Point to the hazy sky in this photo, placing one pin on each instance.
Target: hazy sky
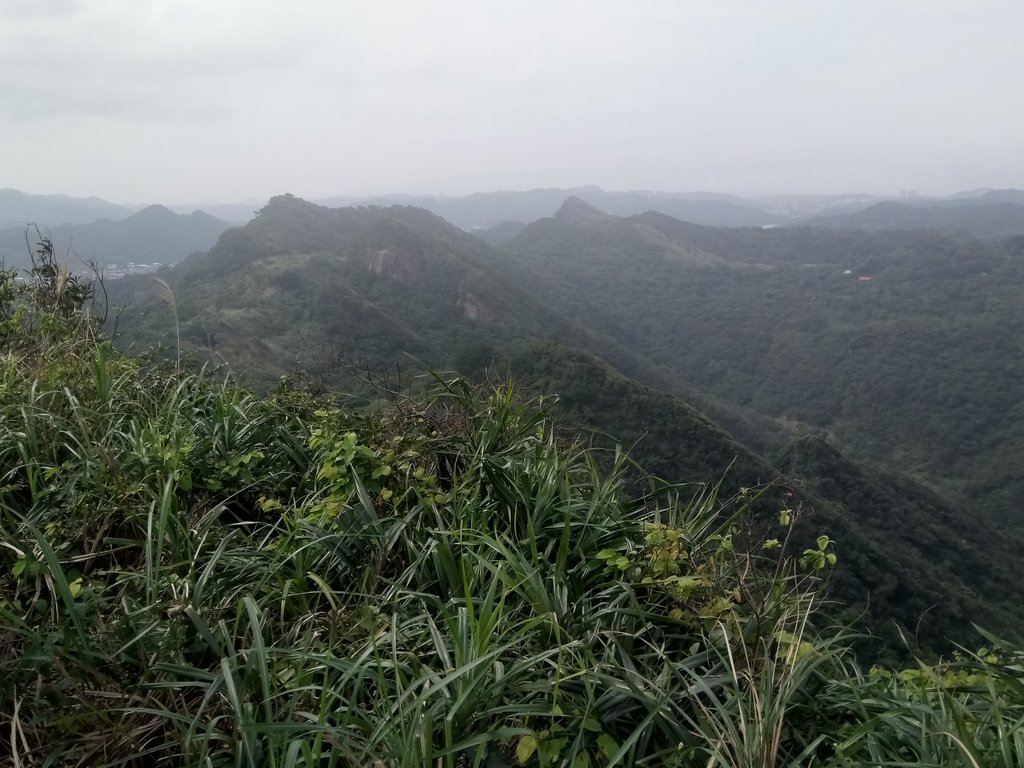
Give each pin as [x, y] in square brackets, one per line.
[189, 100]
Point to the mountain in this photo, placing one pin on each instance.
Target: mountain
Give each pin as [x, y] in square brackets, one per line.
[154, 234]
[18, 209]
[500, 234]
[233, 213]
[302, 283]
[910, 557]
[485, 210]
[904, 346]
[985, 197]
[991, 215]
[803, 206]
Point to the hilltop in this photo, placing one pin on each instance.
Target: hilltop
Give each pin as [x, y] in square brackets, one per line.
[487, 209]
[301, 284]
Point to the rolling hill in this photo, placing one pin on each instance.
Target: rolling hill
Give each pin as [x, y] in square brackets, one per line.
[487, 209]
[904, 347]
[302, 284]
[991, 215]
[153, 234]
[18, 209]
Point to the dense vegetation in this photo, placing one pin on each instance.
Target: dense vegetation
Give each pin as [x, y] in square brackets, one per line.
[915, 367]
[195, 575]
[300, 283]
[799, 364]
[912, 561]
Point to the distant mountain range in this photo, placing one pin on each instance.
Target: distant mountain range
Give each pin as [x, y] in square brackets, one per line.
[483, 212]
[154, 234]
[993, 215]
[18, 209]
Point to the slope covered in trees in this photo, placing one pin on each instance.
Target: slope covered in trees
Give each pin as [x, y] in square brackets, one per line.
[301, 284]
[911, 561]
[904, 347]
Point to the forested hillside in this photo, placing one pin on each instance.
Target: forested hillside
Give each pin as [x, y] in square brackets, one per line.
[302, 285]
[844, 390]
[912, 561]
[902, 346]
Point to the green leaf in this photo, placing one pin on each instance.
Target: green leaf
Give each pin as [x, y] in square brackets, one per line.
[525, 748]
[184, 478]
[607, 746]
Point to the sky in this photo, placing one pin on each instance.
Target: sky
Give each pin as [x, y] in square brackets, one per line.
[179, 101]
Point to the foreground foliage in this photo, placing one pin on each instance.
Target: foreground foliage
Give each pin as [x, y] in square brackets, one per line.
[191, 575]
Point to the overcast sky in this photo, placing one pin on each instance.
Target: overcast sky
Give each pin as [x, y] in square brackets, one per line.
[198, 100]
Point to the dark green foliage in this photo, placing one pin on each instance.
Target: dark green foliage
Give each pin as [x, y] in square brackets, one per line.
[916, 368]
[194, 574]
[915, 569]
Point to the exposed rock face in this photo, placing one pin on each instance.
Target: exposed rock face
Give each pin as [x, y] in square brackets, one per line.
[396, 262]
[476, 310]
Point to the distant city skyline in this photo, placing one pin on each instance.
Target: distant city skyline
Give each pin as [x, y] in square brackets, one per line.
[183, 101]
